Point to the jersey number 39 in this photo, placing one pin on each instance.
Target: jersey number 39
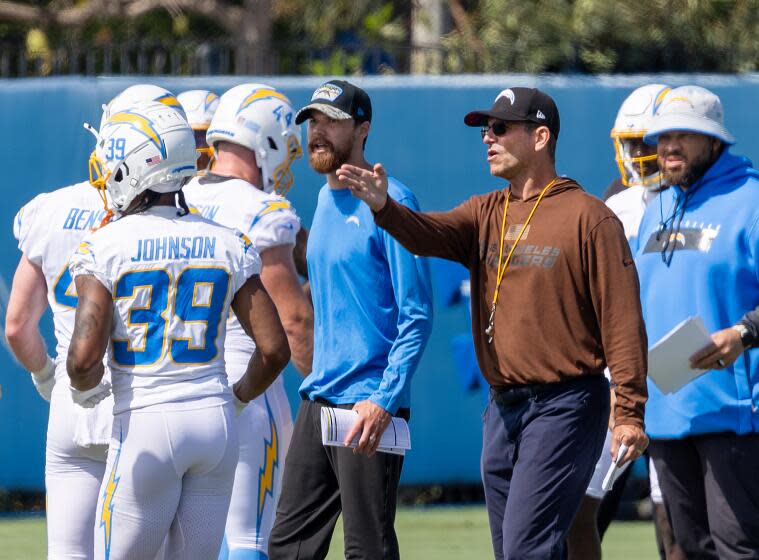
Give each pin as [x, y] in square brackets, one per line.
[197, 296]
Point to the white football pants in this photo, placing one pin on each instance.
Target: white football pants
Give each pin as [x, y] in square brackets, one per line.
[265, 428]
[72, 480]
[169, 474]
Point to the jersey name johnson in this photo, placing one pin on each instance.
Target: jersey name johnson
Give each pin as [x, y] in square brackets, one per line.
[172, 289]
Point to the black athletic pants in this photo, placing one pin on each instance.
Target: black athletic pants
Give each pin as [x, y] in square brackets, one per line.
[711, 490]
[319, 482]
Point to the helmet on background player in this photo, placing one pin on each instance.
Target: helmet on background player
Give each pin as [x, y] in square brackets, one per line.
[148, 146]
[637, 161]
[200, 105]
[137, 93]
[261, 119]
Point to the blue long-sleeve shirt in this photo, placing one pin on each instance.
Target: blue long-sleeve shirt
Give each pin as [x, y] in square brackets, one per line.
[372, 304]
[712, 249]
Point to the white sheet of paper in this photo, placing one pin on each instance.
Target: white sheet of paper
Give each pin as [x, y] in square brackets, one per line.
[668, 364]
[337, 422]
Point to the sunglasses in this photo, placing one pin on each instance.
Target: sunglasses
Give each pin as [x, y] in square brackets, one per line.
[498, 128]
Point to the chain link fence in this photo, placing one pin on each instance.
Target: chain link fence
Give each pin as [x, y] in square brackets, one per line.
[188, 58]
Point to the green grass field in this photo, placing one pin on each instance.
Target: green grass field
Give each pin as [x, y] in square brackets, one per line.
[440, 533]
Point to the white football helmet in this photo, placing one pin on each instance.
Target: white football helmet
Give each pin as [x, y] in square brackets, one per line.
[148, 146]
[199, 105]
[137, 93]
[260, 118]
[630, 126]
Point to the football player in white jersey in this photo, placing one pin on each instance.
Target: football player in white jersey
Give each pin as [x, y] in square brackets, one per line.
[200, 105]
[255, 141]
[639, 173]
[155, 288]
[48, 229]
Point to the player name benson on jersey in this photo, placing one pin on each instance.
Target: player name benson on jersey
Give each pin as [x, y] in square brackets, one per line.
[83, 218]
[173, 247]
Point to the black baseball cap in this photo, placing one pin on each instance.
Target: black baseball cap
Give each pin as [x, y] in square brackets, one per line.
[520, 104]
[339, 100]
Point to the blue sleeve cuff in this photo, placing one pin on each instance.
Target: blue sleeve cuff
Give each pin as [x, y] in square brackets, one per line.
[388, 402]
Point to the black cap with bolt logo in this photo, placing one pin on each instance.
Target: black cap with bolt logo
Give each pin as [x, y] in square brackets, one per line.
[520, 104]
[338, 100]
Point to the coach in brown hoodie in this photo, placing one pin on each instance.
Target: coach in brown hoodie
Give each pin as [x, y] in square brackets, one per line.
[555, 299]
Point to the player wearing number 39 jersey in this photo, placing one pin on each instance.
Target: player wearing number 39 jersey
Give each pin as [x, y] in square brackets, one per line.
[155, 288]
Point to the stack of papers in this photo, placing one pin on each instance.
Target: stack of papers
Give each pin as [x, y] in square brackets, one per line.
[668, 359]
[337, 422]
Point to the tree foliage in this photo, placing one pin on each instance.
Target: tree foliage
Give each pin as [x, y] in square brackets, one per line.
[355, 36]
[602, 36]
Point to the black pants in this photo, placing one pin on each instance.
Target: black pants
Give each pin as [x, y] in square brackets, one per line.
[538, 455]
[710, 485]
[319, 482]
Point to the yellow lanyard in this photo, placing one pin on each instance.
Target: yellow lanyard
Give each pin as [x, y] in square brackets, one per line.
[502, 269]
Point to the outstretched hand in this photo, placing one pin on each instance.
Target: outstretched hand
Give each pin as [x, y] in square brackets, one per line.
[367, 185]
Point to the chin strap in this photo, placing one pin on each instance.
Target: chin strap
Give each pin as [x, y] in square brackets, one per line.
[182, 208]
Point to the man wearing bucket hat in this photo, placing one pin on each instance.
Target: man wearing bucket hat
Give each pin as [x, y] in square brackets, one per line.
[554, 299]
[697, 253]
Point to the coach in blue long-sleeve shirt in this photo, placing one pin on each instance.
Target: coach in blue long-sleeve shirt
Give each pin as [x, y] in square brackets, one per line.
[371, 305]
[373, 314]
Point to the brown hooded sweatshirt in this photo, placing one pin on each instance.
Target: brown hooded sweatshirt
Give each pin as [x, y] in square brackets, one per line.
[569, 302]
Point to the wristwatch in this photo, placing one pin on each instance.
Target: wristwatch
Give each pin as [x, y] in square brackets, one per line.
[745, 335]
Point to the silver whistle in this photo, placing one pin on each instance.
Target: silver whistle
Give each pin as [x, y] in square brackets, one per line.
[490, 330]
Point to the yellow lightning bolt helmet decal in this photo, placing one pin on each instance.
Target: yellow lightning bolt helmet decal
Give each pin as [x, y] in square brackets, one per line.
[210, 97]
[106, 516]
[660, 98]
[140, 124]
[266, 473]
[262, 93]
[170, 100]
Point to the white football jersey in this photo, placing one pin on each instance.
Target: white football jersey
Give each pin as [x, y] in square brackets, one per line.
[267, 219]
[172, 280]
[49, 228]
[629, 206]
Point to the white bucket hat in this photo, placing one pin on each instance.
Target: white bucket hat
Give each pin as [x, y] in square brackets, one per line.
[689, 109]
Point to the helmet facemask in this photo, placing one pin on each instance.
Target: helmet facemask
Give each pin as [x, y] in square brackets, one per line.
[635, 170]
[99, 175]
[205, 152]
[282, 176]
